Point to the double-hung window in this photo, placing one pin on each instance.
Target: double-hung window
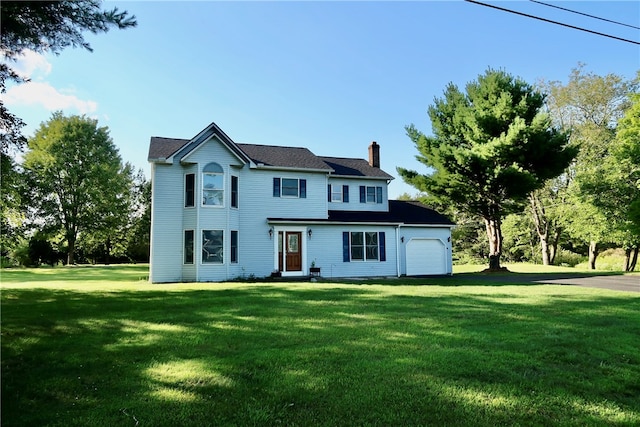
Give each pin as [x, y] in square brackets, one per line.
[370, 194]
[212, 246]
[213, 185]
[363, 246]
[338, 193]
[290, 187]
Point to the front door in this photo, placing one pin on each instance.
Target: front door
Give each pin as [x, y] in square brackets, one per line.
[293, 246]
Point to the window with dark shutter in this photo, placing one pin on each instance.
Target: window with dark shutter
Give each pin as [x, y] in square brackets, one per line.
[234, 191]
[276, 187]
[345, 247]
[345, 193]
[189, 190]
[363, 194]
[378, 194]
[303, 188]
[234, 246]
[188, 246]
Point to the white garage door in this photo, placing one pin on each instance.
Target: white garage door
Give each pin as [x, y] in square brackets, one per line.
[426, 256]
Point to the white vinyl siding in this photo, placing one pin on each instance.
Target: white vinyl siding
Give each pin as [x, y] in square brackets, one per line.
[353, 186]
[166, 223]
[325, 248]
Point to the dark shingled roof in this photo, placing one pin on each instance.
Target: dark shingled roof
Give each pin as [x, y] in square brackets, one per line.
[400, 212]
[162, 148]
[290, 157]
[276, 156]
[354, 167]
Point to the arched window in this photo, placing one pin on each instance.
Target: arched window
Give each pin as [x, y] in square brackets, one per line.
[213, 185]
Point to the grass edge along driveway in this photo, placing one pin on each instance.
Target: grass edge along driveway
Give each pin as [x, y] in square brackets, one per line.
[100, 346]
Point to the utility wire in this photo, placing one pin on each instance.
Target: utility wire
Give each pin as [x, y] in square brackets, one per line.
[553, 22]
[584, 14]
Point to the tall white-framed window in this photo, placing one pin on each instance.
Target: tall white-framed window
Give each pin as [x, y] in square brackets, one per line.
[212, 246]
[213, 185]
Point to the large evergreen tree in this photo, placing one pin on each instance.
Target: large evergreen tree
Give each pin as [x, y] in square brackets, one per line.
[491, 147]
[78, 180]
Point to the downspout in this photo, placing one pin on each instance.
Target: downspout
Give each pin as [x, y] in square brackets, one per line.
[197, 256]
[398, 250]
[227, 232]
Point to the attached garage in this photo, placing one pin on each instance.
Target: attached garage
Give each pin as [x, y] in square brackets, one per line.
[426, 257]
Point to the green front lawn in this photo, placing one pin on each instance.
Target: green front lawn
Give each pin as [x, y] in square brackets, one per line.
[99, 346]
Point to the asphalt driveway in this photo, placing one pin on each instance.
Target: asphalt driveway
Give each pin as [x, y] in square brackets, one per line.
[615, 282]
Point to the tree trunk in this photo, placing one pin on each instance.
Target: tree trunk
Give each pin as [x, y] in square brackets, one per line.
[593, 254]
[494, 234]
[627, 258]
[542, 227]
[554, 243]
[107, 255]
[634, 259]
[71, 248]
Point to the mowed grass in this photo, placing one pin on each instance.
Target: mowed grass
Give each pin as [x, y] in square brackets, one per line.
[99, 346]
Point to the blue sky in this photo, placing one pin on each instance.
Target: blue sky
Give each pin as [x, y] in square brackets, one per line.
[331, 76]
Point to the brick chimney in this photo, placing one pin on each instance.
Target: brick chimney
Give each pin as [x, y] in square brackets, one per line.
[374, 155]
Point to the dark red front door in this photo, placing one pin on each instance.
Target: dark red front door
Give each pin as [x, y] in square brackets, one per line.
[293, 246]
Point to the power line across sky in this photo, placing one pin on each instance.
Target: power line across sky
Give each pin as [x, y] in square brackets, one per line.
[564, 24]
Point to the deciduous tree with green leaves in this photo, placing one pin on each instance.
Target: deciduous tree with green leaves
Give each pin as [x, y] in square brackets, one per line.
[491, 147]
[613, 188]
[588, 106]
[79, 183]
[46, 26]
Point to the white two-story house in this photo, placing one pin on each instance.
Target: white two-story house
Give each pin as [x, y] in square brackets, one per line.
[223, 210]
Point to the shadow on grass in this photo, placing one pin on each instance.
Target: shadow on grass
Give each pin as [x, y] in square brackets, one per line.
[290, 355]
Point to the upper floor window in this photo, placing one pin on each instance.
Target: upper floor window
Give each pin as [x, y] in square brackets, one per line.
[338, 193]
[290, 187]
[370, 194]
[189, 190]
[213, 185]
